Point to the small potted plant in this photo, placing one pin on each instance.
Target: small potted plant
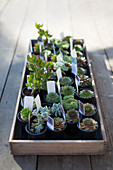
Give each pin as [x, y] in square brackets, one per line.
[81, 62]
[78, 47]
[56, 110]
[85, 81]
[67, 90]
[66, 81]
[69, 102]
[90, 109]
[52, 98]
[86, 95]
[81, 71]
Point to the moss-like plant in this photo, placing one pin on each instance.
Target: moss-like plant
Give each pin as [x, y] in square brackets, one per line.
[85, 93]
[52, 97]
[84, 80]
[78, 47]
[24, 114]
[72, 115]
[56, 110]
[69, 102]
[66, 81]
[67, 90]
[88, 124]
[89, 109]
[59, 123]
[81, 71]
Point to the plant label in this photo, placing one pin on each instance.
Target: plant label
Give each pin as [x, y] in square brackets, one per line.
[48, 41]
[28, 102]
[71, 44]
[74, 68]
[41, 43]
[29, 88]
[59, 74]
[73, 54]
[58, 85]
[59, 58]
[63, 113]
[38, 102]
[45, 56]
[54, 49]
[62, 36]
[51, 87]
[50, 122]
[40, 48]
[81, 107]
[60, 99]
[76, 82]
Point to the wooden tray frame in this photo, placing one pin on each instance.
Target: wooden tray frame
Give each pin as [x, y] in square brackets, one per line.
[58, 147]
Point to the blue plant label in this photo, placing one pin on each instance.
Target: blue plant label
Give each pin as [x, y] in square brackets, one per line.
[38, 102]
[59, 74]
[74, 68]
[73, 60]
[28, 102]
[50, 122]
[51, 87]
[63, 113]
[58, 86]
[81, 108]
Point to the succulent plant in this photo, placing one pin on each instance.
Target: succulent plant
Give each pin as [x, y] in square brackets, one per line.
[24, 114]
[66, 81]
[89, 109]
[81, 61]
[78, 47]
[81, 71]
[72, 115]
[52, 97]
[37, 48]
[56, 110]
[79, 54]
[54, 58]
[88, 124]
[63, 45]
[84, 80]
[69, 102]
[59, 123]
[67, 58]
[67, 38]
[67, 90]
[85, 93]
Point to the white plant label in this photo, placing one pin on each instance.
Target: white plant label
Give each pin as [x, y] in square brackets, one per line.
[76, 82]
[74, 68]
[59, 74]
[28, 102]
[71, 44]
[38, 102]
[81, 107]
[54, 49]
[73, 53]
[58, 85]
[63, 113]
[51, 87]
[45, 56]
[40, 48]
[29, 88]
[62, 35]
[59, 58]
[50, 122]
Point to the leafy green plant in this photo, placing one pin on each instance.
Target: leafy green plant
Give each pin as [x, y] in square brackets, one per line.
[52, 97]
[67, 38]
[41, 72]
[37, 48]
[85, 93]
[69, 102]
[72, 115]
[78, 47]
[67, 58]
[67, 90]
[79, 54]
[59, 123]
[54, 58]
[81, 61]
[84, 80]
[24, 114]
[89, 109]
[88, 124]
[63, 45]
[81, 71]
[56, 110]
[66, 81]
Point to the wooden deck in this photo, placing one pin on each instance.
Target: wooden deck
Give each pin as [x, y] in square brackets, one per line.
[91, 20]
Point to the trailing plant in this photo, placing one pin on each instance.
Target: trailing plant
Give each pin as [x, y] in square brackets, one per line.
[85, 93]
[56, 110]
[84, 80]
[67, 90]
[88, 124]
[24, 114]
[52, 97]
[66, 81]
[69, 102]
[89, 109]
[72, 115]
[81, 71]
[59, 123]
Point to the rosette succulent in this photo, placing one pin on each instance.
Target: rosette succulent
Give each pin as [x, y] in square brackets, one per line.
[24, 114]
[66, 81]
[69, 102]
[59, 123]
[89, 109]
[88, 124]
[56, 110]
[52, 97]
[72, 115]
[84, 80]
[67, 90]
[86, 93]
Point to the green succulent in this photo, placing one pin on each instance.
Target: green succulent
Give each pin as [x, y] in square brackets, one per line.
[59, 123]
[67, 58]
[79, 54]
[89, 109]
[84, 80]
[81, 71]
[72, 115]
[66, 81]
[24, 114]
[78, 47]
[88, 124]
[52, 97]
[69, 102]
[67, 90]
[81, 61]
[37, 48]
[56, 110]
[63, 45]
[85, 93]
[54, 58]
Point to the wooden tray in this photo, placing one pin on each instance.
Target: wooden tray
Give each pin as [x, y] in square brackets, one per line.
[20, 145]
